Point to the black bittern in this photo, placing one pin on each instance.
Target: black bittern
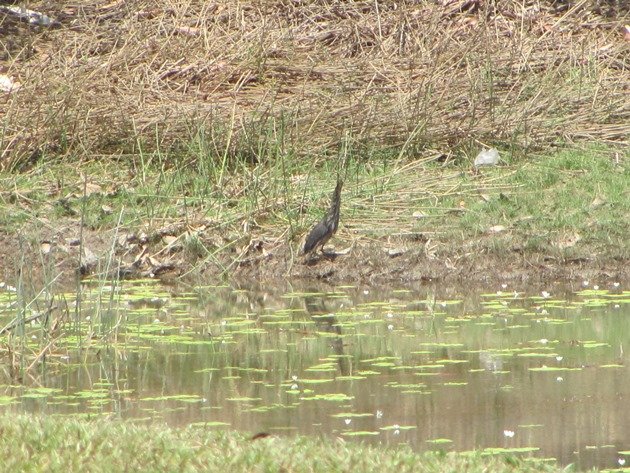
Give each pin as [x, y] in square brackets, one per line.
[327, 227]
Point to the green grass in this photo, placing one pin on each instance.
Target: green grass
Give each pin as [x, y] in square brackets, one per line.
[61, 444]
[572, 203]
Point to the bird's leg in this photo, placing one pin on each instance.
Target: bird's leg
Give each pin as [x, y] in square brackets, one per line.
[327, 254]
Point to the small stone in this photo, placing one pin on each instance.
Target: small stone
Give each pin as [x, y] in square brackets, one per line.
[496, 229]
[393, 252]
[89, 261]
[597, 203]
[45, 247]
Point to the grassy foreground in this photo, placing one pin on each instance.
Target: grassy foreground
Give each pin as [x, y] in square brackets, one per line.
[55, 444]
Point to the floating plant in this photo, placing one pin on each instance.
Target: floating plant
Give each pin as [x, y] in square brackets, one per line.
[379, 362]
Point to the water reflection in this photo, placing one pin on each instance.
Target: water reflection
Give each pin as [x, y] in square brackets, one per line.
[500, 370]
[322, 309]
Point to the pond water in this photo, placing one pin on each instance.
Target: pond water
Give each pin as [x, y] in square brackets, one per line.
[544, 374]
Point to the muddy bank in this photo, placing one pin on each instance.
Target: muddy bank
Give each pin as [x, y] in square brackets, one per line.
[378, 264]
[44, 255]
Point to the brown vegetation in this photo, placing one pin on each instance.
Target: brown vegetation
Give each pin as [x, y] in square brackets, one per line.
[116, 76]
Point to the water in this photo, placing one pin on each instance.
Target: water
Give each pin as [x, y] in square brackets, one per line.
[542, 374]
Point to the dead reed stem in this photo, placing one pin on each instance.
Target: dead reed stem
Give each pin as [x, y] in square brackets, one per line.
[413, 74]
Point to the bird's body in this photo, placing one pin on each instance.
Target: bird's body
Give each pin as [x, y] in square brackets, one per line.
[327, 226]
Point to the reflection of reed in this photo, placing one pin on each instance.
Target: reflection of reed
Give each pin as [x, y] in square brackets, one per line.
[326, 321]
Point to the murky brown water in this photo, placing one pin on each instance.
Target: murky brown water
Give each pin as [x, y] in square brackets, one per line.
[546, 373]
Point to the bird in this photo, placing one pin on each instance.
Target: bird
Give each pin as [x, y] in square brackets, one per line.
[327, 226]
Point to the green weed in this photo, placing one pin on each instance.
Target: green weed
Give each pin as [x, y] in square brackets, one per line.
[63, 444]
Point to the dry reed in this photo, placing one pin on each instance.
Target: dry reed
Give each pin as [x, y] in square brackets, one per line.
[117, 75]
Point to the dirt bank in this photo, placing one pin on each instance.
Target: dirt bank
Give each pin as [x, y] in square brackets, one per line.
[44, 255]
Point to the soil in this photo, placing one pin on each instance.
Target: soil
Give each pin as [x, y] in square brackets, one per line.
[52, 252]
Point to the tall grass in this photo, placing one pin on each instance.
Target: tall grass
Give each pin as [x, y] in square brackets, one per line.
[414, 76]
